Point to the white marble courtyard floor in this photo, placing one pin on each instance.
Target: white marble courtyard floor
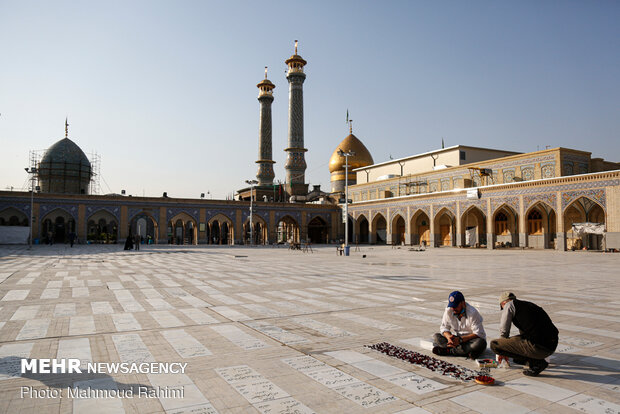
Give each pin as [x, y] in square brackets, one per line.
[275, 331]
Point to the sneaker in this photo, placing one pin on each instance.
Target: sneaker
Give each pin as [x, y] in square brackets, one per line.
[535, 368]
[437, 350]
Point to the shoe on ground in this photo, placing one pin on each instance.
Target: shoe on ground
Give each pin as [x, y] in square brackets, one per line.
[535, 368]
[437, 350]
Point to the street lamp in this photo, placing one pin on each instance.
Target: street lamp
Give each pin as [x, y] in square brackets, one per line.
[33, 172]
[252, 184]
[346, 156]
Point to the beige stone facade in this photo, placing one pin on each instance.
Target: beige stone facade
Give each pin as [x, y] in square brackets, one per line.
[524, 200]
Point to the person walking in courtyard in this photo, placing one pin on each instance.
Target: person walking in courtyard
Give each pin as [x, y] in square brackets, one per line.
[538, 336]
[128, 243]
[72, 238]
[461, 332]
[137, 241]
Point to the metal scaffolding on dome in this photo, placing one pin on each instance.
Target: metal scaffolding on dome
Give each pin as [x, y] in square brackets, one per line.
[34, 160]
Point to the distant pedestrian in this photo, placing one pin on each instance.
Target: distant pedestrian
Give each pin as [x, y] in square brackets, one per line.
[137, 241]
[128, 243]
[72, 238]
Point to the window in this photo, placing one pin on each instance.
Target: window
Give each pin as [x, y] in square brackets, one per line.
[534, 222]
[462, 155]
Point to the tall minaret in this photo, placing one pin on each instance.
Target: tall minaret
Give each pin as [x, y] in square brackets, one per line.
[295, 163]
[265, 163]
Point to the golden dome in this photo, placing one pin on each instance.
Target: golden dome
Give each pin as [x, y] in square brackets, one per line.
[362, 157]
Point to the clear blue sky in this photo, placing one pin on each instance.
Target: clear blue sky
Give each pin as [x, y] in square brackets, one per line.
[166, 91]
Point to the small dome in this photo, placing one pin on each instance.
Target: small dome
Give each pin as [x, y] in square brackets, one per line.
[362, 157]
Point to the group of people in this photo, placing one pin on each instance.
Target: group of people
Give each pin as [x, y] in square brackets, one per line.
[461, 332]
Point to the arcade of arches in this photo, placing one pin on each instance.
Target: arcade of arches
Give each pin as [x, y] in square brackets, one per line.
[540, 226]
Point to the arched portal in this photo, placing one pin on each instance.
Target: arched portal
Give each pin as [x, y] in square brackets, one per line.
[398, 230]
[318, 231]
[444, 228]
[583, 210]
[473, 223]
[56, 226]
[540, 226]
[220, 229]
[259, 231]
[420, 229]
[505, 224]
[380, 229]
[13, 217]
[102, 227]
[363, 234]
[146, 226]
[288, 230]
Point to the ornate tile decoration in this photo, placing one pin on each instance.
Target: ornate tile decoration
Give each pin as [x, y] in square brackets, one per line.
[245, 215]
[425, 208]
[325, 216]
[376, 212]
[547, 170]
[45, 209]
[133, 212]
[583, 168]
[527, 173]
[567, 168]
[481, 204]
[296, 215]
[400, 212]
[509, 175]
[227, 213]
[445, 184]
[433, 186]
[512, 202]
[114, 210]
[451, 207]
[357, 214]
[597, 195]
[546, 198]
[23, 207]
[171, 212]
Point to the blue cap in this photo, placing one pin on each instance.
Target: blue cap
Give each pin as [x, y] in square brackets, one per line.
[455, 298]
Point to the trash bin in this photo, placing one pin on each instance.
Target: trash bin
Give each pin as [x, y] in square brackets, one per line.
[346, 250]
[36, 241]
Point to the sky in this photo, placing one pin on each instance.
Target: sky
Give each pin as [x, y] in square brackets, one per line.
[165, 92]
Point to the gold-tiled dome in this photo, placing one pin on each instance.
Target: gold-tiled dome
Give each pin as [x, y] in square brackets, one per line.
[362, 157]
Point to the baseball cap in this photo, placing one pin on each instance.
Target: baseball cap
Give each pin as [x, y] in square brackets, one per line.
[455, 298]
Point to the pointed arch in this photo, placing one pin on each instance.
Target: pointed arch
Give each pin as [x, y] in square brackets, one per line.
[581, 210]
[540, 225]
[362, 229]
[505, 226]
[379, 229]
[444, 223]
[420, 228]
[399, 228]
[474, 225]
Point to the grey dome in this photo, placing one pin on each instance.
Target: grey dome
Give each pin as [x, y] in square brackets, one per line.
[65, 169]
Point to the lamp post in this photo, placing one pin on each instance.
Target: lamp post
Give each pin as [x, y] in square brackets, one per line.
[346, 156]
[32, 171]
[252, 184]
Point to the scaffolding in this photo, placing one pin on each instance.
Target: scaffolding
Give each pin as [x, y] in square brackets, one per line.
[411, 186]
[484, 174]
[35, 157]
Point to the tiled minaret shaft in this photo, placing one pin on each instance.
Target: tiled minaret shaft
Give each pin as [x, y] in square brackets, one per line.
[265, 163]
[295, 162]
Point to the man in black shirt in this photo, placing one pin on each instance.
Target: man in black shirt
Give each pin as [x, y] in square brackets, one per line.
[538, 336]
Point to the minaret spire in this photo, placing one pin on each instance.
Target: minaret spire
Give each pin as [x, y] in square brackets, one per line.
[265, 162]
[295, 162]
[67, 127]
